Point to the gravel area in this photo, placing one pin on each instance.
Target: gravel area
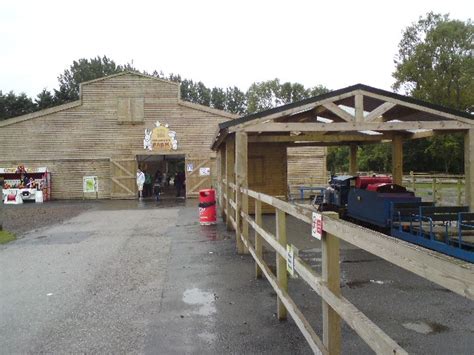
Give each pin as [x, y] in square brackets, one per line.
[20, 219]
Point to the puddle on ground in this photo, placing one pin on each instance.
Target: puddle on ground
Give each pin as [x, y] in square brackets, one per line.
[207, 337]
[357, 283]
[362, 283]
[203, 299]
[423, 327]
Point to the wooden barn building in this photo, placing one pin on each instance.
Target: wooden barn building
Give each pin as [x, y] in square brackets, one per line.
[125, 121]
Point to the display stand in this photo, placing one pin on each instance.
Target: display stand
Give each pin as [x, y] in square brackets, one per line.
[12, 184]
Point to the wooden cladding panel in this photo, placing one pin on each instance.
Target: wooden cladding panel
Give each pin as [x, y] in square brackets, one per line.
[92, 129]
[306, 166]
[66, 175]
[267, 171]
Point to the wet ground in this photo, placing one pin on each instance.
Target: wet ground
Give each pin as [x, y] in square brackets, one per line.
[145, 277]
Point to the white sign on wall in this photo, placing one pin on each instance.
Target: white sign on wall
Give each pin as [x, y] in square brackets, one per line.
[317, 226]
[189, 167]
[204, 171]
[90, 184]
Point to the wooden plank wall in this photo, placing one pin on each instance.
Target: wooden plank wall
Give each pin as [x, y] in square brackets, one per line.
[306, 166]
[92, 130]
[66, 175]
[267, 171]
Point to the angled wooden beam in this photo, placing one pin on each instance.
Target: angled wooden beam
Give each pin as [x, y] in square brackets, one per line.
[357, 126]
[418, 107]
[317, 138]
[293, 110]
[346, 116]
[379, 111]
[359, 107]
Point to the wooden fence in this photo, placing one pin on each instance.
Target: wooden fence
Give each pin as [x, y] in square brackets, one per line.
[453, 274]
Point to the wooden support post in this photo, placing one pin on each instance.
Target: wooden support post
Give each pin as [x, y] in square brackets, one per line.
[282, 276]
[241, 180]
[219, 181]
[331, 277]
[413, 181]
[469, 168]
[258, 238]
[397, 159]
[359, 107]
[353, 160]
[230, 176]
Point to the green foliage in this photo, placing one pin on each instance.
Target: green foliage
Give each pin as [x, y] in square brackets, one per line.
[45, 100]
[218, 98]
[85, 70]
[337, 159]
[12, 105]
[268, 94]
[435, 62]
[236, 100]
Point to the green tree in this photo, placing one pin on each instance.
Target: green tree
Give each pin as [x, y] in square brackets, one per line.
[12, 105]
[218, 98]
[84, 70]
[268, 94]
[435, 64]
[236, 100]
[44, 100]
[435, 61]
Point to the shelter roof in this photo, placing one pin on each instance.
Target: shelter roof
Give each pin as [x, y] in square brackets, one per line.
[358, 113]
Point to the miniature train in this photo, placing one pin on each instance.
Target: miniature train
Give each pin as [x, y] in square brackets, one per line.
[378, 203]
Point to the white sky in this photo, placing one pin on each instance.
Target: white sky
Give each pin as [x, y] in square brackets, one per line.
[222, 43]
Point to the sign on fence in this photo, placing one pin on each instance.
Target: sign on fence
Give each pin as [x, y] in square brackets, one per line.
[317, 226]
[290, 260]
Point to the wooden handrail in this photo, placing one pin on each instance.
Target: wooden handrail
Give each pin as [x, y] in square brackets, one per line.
[448, 272]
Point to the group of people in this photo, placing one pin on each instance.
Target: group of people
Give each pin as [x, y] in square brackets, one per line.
[148, 186]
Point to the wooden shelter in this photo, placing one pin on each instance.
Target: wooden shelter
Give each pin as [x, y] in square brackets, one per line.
[102, 134]
[352, 116]
[252, 160]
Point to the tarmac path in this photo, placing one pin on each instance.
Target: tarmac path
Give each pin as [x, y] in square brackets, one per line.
[143, 278]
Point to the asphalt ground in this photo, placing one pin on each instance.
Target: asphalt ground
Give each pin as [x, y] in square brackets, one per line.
[131, 277]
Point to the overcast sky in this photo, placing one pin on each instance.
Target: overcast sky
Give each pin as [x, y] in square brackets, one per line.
[222, 43]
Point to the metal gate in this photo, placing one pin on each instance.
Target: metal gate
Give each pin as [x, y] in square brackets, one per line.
[123, 178]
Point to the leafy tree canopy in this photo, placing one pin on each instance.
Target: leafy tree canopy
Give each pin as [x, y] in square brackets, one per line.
[435, 61]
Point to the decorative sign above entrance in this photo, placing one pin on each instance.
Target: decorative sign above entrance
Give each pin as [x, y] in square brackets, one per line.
[160, 138]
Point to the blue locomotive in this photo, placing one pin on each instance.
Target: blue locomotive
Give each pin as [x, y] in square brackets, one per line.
[377, 202]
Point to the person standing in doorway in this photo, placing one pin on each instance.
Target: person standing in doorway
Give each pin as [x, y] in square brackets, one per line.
[179, 180]
[148, 184]
[140, 182]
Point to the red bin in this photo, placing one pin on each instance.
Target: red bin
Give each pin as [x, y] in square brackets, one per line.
[207, 206]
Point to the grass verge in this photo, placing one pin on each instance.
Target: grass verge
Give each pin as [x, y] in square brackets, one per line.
[6, 237]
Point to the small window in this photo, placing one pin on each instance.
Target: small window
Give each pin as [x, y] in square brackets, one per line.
[130, 110]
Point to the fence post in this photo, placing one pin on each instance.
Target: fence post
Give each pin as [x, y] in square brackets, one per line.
[331, 277]
[258, 239]
[282, 276]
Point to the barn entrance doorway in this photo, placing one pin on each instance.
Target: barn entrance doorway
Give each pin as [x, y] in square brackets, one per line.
[165, 173]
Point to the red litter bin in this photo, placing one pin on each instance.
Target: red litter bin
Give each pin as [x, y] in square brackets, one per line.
[207, 206]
